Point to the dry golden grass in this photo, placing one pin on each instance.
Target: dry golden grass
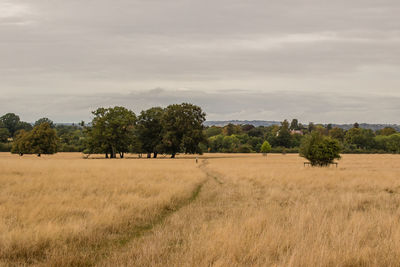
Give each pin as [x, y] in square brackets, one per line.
[64, 210]
[251, 211]
[258, 211]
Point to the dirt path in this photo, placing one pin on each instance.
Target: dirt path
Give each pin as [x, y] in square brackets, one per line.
[174, 241]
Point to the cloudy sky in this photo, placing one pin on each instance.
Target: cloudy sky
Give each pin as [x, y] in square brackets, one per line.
[315, 60]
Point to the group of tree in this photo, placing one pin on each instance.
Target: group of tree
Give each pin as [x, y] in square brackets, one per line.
[179, 129]
[288, 137]
[175, 129]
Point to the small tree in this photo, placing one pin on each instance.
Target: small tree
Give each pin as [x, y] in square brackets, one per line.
[319, 149]
[265, 148]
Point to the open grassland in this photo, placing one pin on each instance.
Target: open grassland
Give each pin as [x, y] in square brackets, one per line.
[64, 210]
[228, 210]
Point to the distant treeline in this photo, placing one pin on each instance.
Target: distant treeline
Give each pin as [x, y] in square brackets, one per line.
[256, 123]
[178, 128]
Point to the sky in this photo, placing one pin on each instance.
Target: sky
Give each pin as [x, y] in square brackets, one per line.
[314, 60]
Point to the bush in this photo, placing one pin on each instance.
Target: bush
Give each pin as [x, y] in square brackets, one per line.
[5, 147]
[245, 149]
[320, 150]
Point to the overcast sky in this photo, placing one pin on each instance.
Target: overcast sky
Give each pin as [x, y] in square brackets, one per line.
[315, 60]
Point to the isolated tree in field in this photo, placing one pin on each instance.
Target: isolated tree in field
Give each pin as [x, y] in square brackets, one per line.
[43, 120]
[265, 148]
[320, 150]
[149, 130]
[183, 129]
[112, 131]
[41, 140]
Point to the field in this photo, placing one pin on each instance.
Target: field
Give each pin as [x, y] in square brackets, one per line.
[227, 210]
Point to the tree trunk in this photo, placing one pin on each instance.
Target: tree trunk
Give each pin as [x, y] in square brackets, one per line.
[121, 155]
[148, 155]
[106, 155]
[172, 155]
[155, 155]
[113, 153]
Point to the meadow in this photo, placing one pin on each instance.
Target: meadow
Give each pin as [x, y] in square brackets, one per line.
[228, 209]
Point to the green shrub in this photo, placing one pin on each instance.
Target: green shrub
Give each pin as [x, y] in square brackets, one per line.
[265, 148]
[245, 149]
[320, 150]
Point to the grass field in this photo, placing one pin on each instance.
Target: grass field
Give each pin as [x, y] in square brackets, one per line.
[227, 210]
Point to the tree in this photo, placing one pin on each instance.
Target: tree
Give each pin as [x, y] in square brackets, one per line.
[311, 127]
[232, 129]
[393, 143]
[247, 127]
[284, 136]
[149, 130]
[386, 131]
[213, 131]
[230, 144]
[337, 133]
[360, 138]
[183, 129]
[111, 131]
[10, 121]
[41, 140]
[265, 148]
[294, 125]
[24, 126]
[43, 120]
[4, 134]
[319, 149]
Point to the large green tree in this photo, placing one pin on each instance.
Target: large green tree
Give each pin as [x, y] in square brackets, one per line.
[41, 140]
[112, 131]
[149, 130]
[183, 129]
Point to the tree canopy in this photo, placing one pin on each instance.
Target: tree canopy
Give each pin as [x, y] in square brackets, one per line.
[320, 150]
[183, 129]
[149, 130]
[41, 140]
[112, 131]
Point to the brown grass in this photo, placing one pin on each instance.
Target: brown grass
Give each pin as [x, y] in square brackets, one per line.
[251, 211]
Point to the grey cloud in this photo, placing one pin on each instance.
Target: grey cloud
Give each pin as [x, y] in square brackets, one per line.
[106, 50]
[223, 105]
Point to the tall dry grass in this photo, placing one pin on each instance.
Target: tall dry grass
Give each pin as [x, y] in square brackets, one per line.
[64, 210]
[257, 211]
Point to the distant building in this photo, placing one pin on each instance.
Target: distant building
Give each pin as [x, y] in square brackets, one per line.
[296, 132]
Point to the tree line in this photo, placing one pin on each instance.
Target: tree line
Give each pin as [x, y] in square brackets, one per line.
[176, 129]
[115, 131]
